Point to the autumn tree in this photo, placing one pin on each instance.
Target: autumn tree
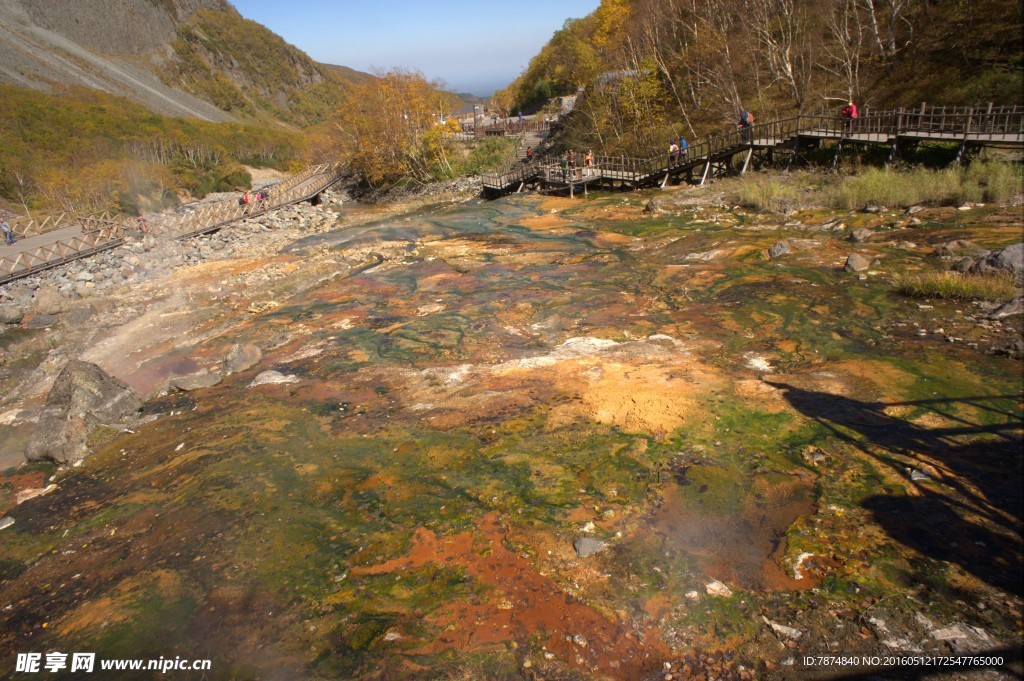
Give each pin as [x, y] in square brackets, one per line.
[391, 129]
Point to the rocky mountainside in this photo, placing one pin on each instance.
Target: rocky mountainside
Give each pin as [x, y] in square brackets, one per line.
[189, 58]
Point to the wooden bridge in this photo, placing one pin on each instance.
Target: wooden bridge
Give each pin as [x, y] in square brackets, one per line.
[56, 239]
[783, 140]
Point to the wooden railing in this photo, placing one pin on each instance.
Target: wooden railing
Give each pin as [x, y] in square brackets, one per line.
[101, 232]
[988, 125]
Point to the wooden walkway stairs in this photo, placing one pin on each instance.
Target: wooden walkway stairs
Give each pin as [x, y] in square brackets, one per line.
[56, 239]
[968, 127]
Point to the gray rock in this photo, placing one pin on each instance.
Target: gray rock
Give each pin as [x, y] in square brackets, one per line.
[272, 377]
[241, 358]
[49, 301]
[192, 382]
[586, 546]
[656, 206]
[6, 522]
[85, 276]
[779, 249]
[10, 314]
[1009, 259]
[860, 235]
[874, 208]
[959, 247]
[857, 262]
[82, 397]
[1015, 306]
[41, 321]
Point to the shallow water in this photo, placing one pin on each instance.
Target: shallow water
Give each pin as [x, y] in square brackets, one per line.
[481, 385]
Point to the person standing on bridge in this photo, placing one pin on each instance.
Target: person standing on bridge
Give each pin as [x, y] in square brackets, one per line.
[6, 228]
[683, 146]
[850, 115]
[746, 121]
[673, 153]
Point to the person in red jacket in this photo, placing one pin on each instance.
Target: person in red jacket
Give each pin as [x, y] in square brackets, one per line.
[850, 114]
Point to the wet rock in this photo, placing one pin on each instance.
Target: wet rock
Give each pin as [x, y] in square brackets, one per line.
[1009, 259]
[914, 209]
[271, 378]
[241, 358]
[717, 589]
[917, 475]
[859, 236]
[192, 382]
[6, 522]
[82, 397]
[586, 546]
[1013, 307]
[77, 316]
[857, 262]
[873, 207]
[779, 249]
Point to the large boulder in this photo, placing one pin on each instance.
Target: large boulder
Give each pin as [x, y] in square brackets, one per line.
[1009, 259]
[82, 397]
[779, 249]
[241, 358]
[857, 262]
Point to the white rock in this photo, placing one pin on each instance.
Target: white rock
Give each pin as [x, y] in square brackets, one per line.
[272, 377]
[782, 629]
[717, 588]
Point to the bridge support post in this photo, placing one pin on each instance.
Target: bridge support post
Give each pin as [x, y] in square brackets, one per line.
[893, 151]
[746, 161]
[839, 150]
[707, 169]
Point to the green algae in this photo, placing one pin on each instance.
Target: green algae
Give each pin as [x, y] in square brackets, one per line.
[279, 496]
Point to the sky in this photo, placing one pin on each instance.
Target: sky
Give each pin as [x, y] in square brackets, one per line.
[475, 47]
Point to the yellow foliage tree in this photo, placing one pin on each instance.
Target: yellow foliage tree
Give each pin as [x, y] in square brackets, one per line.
[391, 128]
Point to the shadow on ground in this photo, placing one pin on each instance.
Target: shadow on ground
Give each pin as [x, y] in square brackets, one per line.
[971, 513]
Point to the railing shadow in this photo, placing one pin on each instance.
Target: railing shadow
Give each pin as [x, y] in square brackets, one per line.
[971, 513]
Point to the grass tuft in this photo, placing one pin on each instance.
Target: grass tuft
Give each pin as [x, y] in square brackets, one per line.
[956, 286]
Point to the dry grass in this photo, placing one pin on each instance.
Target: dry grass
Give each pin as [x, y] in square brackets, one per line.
[956, 286]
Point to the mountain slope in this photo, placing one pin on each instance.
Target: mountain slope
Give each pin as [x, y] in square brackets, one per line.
[189, 58]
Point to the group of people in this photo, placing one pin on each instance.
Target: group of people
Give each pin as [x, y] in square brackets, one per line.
[569, 160]
[254, 197]
[677, 151]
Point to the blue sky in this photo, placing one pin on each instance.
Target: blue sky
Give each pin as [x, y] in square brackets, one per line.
[474, 47]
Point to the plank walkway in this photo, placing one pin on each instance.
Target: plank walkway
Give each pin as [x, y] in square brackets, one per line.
[970, 127]
[46, 242]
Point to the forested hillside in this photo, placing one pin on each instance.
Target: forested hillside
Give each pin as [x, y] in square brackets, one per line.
[652, 68]
[81, 150]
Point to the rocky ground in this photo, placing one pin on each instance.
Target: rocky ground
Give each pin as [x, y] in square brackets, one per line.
[645, 436]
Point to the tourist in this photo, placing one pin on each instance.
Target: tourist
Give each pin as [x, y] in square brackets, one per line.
[849, 115]
[683, 147]
[8, 234]
[529, 154]
[746, 121]
[589, 158]
[564, 163]
[673, 153]
[571, 156]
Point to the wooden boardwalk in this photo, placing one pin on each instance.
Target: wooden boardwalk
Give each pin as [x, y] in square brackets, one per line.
[969, 127]
[46, 242]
